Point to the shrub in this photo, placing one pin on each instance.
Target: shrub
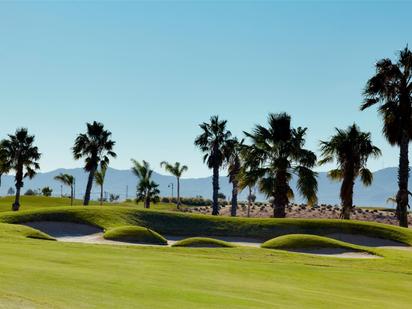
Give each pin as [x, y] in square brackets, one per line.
[188, 201]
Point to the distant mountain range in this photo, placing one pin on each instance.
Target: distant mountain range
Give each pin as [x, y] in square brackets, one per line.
[123, 183]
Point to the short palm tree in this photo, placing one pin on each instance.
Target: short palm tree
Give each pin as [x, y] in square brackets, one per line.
[20, 155]
[176, 170]
[99, 179]
[214, 142]
[351, 148]
[147, 189]
[274, 155]
[391, 88]
[96, 147]
[67, 180]
[234, 165]
[247, 180]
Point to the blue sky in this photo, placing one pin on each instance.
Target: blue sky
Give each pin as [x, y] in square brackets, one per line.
[151, 72]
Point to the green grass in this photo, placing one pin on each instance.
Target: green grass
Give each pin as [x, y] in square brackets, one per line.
[204, 242]
[37, 202]
[48, 274]
[135, 234]
[173, 223]
[302, 241]
[43, 274]
[9, 231]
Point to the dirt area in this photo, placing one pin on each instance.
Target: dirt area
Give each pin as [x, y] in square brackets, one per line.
[303, 211]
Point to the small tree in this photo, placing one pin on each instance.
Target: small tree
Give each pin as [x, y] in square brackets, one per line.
[11, 191]
[176, 170]
[47, 191]
[67, 180]
[147, 189]
[99, 179]
[30, 192]
[114, 198]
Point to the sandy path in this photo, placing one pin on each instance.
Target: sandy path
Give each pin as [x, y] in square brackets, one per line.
[82, 233]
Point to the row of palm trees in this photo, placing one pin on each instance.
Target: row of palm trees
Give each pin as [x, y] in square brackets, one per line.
[271, 157]
[275, 153]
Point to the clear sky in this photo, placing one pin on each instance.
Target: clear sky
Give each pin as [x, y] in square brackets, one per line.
[151, 72]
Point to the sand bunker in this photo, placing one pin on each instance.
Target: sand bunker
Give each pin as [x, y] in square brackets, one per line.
[368, 241]
[336, 252]
[83, 233]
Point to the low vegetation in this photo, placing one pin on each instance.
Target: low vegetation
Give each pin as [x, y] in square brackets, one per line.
[135, 234]
[203, 242]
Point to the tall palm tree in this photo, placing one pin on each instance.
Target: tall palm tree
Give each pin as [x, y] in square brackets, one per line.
[274, 155]
[147, 189]
[351, 148]
[99, 179]
[391, 88]
[176, 170]
[214, 143]
[22, 156]
[96, 147]
[68, 180]
[234, 166]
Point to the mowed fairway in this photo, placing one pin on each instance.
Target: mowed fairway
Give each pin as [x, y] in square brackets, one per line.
[49, 274]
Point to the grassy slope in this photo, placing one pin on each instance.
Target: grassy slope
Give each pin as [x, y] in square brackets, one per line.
[201, 225]
[202, 242]
[44, 274]
[37, 202]
[302, 241]
[98, 276]
[136, 234]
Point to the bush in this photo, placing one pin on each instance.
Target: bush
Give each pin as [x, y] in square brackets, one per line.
[188, 201]
[30, 192]
[47, 191]
[135, 234]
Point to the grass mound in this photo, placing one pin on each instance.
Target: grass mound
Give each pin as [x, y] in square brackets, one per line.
[135, 234]
[302, 241]
[173, 223]
[21, 231]
[203, 242]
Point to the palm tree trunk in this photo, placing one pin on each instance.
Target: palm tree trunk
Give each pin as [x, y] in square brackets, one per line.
[178, 193]
[280, 199]
[402, 198]
[346, 193]
[89, 186]
[19, 185]
[249, 205]
[71, 195]
[147, 202]
[235, 190]
[101, 195]
[215, 206]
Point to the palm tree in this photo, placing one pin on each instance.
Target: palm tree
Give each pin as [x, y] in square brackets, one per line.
[99, 179]
[247, 180]
[176, 170]
[234, 167]
[147, 189]
[96, 147]
[22, 156]
[4, 168]
[68, 180]
[351, 148]
[391, 88]
[275, 154]
[214, 143]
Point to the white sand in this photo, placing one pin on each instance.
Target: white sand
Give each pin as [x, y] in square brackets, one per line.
[82, 233]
